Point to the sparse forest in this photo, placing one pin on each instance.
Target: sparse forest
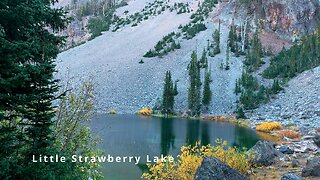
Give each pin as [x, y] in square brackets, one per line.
[112, 89]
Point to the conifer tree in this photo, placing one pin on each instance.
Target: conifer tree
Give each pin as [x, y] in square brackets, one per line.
[216, 39]
[169, 92]
[194, 99]
[203, 59]
[207, 94]
[276, 86]
[227, 67]
[175, 88]
[27, 87]
[240, 113]
[238, 87]
[236, 50]
[232, 38]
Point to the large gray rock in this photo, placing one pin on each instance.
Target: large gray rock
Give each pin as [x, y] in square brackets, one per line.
[285, 150]
[316, 140]
[264, 153]
[312, 168]
[213, 169]
[290, 176]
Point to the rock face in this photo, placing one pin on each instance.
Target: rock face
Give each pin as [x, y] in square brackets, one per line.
[289, 17]
[213, 169]
[290, 177]
[264, 153]
[312, 168]
[286, 18]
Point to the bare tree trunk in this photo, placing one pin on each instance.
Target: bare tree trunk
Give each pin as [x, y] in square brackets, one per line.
[243, 34]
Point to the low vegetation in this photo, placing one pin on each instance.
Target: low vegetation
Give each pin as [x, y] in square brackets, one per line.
[170, 42]
[151, 9]
[186, 164]
[112, 111]
[181, 8]
[252, 93]
[145, 111]
[268, 126]
[303, 55]
[167, 44]
[101, 19]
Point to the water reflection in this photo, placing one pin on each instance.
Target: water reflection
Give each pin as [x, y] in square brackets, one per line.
[167, 135]
[192, 132]
[131, 135]
[246, 139]
[205, 136]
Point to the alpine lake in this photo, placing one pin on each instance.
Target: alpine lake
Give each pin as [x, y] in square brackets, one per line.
[131, 141]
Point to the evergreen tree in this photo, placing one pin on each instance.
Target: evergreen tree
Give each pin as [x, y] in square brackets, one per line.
[216, 40]
[245, 39]
[203, 59]
[254, 53]
[27, 87]
[276, 88]
[240, 113]
[175, 88]
[236, 50]
[238, 87]
[232, 38]
[227, 67]
[207, 94]
[194, 99]
[169, 92]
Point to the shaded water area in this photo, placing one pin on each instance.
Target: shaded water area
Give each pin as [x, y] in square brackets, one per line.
[132, 135]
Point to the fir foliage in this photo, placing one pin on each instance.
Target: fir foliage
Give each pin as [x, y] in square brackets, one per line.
[207, 94]
[170, 90]
[194, 95]
[303, 55]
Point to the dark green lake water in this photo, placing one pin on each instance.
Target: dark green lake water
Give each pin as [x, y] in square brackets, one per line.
[132, 135]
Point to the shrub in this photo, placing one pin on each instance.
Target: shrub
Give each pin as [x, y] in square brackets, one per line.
[150, 53]
[96, 25]
[112, 111]
[191, 157]
[216, 118]
[145, 111]
[268, 126]
[289, 134]
[141, 61]
[232, 156]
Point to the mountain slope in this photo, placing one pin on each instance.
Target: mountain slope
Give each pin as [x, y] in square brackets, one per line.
[121, 83]
[299, 104]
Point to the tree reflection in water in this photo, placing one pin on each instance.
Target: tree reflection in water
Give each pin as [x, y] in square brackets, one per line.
[167, 135]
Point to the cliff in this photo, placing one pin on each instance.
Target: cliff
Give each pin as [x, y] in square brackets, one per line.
[287, 18]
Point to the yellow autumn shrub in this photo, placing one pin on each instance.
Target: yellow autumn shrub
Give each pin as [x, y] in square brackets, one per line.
[268, 126]
[232, 156]
[145, 111]
[189, 160]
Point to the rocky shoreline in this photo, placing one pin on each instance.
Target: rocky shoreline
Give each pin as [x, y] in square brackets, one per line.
[289, 158]
[272, 161]
[298, 104]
